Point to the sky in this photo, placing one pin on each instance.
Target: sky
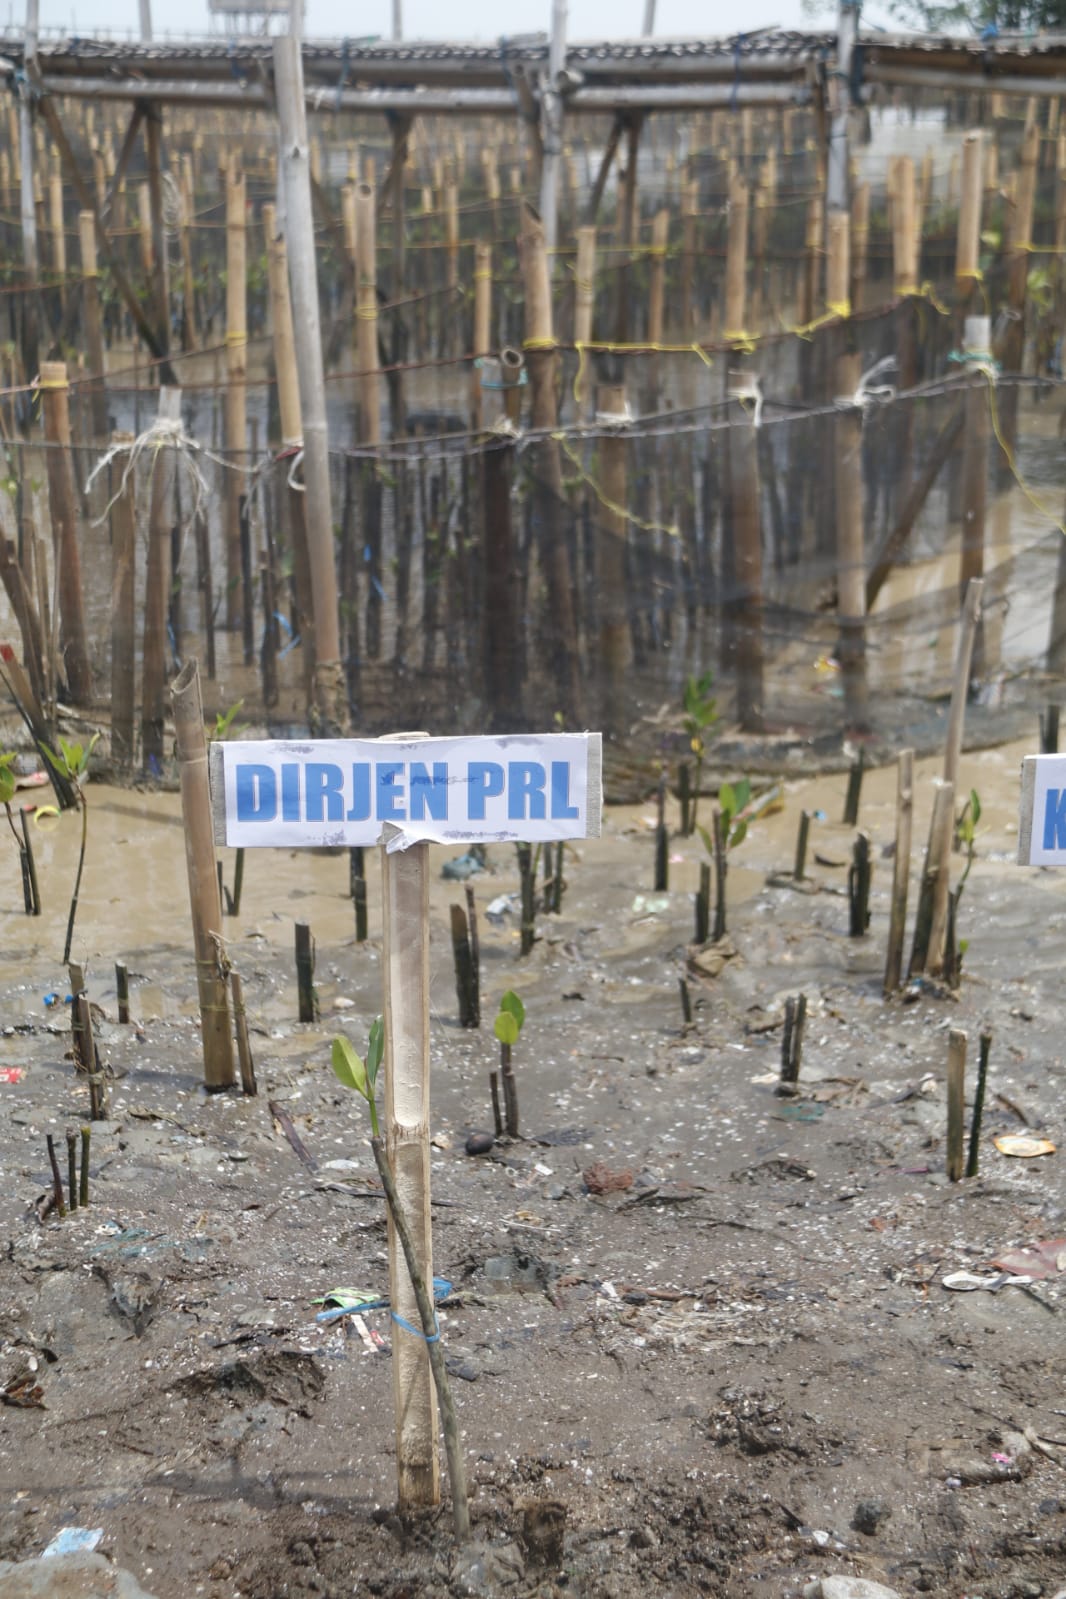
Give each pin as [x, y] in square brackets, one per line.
[427, 19]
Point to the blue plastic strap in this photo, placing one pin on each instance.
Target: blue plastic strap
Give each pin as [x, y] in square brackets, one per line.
[406, 1325]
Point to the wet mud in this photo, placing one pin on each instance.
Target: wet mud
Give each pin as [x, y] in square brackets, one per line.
[708, 1322]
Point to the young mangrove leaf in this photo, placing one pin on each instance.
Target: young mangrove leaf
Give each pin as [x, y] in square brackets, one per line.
[374, 1050]
[348, 1067]
[514, 1007]
[506, 1027]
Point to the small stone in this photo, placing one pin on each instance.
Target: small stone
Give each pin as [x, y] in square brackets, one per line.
[481, 1570]
[847, 1588]
[86, 1576]
[479, 1143]
[870, 1514]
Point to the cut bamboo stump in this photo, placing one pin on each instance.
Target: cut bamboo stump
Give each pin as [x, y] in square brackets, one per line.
[854, 791]
[973, 1158]
[792, 1044]
[936, 862]
[203, 880]
[464, 967]
[957, 1042]
[307, 997]
[859, 874]
[800, 864]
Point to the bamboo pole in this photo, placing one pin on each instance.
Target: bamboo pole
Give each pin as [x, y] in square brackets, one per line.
[615, 645]
[977, 427]
[55, 401]
[736, 262]
[405, 971]
[851, 557]
[94, 330]
[482, 328]
[366, 313]
[123, 616]
[584, 304]
[59, 238]
[203, 879]
[156, 591]
[236, 391]
[901, 869]
[968, 235]
[188, 276]
[936, 858]
[744, 613]
[860, 241]
[541, 358]
[1021, 234]
[330, 685]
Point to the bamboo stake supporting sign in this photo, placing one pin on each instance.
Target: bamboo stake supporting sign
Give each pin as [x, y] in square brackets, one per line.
[404, 793]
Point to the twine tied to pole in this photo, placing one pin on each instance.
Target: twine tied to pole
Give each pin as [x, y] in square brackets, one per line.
[164, 433]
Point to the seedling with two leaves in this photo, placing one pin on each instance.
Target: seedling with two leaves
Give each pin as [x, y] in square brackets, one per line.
[355, 1072]
[728, 829]
[507, 1026]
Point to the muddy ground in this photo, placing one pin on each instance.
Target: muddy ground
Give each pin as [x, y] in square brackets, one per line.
[739, 1370]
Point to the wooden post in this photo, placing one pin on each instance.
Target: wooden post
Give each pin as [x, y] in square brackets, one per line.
[236, 391]
[977, 427]
[1021, 234]
[291, 439]
[482, 328]
[156, 591]
[307, 998]
[203, 879]
[736, 262]
[549, 500]
[330, 684]
[851, 557]
[405, 895]
[960, 688]
[160, 272]
[55, 392]
[94, 330]
[957, 1041]
[968, 236]
[366, 313]
[123, 613]
[937, 852]
[743, 627]
[59, 238]
[615, 648]
[501, 566]
[901, 868]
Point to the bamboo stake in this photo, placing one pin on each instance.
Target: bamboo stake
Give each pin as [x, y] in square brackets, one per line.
[156, 589]
[901, 867]
[63, 501]
[968, 236]
[366, 313]
[405, 896]
[976, 343]
[203, 879]
[937, 851]
[851, 557]
[94, 331]
[745, 620]
[123, 616]
[244, 1047]
[956, 1077]
[584, 303]
[860, 240]
[305, 974]
[615, 646]
[736, 262]
[188, 276]
[236, 392]
[973, 1159]
[482, 329]
[1021, 234]
[960, 687]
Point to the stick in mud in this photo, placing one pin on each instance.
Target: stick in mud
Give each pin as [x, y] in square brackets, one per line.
[464, 975]
[244, 1047]
[357, 880]
[901, 869]
[238, 883]
[957, 1042]
[792, 1044]
[81, 1019]
[83, 1190]
[305, 974]
[684, 794]
[57, 1181]
[284, 1121]
[662, 842]
[854, 790]
[72, 1167]
[859, 874]
[939, 826]
[802, 836]
[1049, 731]
[527, 883]
[494, 1090]
[703, 904]
[974, 1156]
[686, 1002]
[122, 990]
[475, 956]
[510, 1091]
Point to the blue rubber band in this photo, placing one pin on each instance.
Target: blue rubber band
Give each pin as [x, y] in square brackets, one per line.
[406, 1325]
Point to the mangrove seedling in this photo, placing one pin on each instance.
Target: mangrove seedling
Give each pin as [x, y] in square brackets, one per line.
[966, 835]
[507, 1026]
[72, 762]
[30, 894]
[354, 1072]
[232, 902]
[729, 829]
[700, 712]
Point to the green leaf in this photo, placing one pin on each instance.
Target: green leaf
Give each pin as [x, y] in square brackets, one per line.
[708, 842]
[58, 761]
[348, 1067]
[739, 833]
[975, 806]
[514, 1007]
[506, 1028]
[727, 800]
[743, 793]
[375, 1049]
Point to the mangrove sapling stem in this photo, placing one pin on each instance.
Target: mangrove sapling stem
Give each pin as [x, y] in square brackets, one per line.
[238, 884]
[859, 887]
[721, 826]
[357, 879]
[973, 1158]
[527, 881]
[77, 878]
[854, 790]
[956, 1103]
[83, 1190]
[494, 1090]
[703, 904]
[475, 957]
[31, 866]
[792, 1044]
[72, 1168]
[57, 1181]
[305, 974]
[684, 795]
[464, 981]
[686, 1002]
[802, 836]
[244, 1047]
[662, 842]
[122, 990]
[431, 1333]
[510, 1091]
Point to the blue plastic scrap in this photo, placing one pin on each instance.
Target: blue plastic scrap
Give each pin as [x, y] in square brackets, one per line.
[354, 1301]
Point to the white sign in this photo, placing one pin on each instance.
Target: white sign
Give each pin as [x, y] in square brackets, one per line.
[325, 792]
[1042, 818]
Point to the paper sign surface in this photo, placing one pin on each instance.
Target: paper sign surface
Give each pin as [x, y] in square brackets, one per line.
[328, 792]
[1042, 815]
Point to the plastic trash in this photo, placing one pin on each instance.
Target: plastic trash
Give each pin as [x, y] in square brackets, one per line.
[1022, 1147]
[501, 907]
[355, 1301]
[73, 1541]
[463, 866]
[11, 1074]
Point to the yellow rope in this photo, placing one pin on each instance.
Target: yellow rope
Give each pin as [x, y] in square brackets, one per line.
[993, 410]
[617, 510]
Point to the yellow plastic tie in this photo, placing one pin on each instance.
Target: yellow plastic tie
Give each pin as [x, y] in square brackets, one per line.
[744, 343]
[608, 504]
[927, 292]
[367, 313]
[993, 410]
[238, 336]
[544, 343]
[840, 308]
